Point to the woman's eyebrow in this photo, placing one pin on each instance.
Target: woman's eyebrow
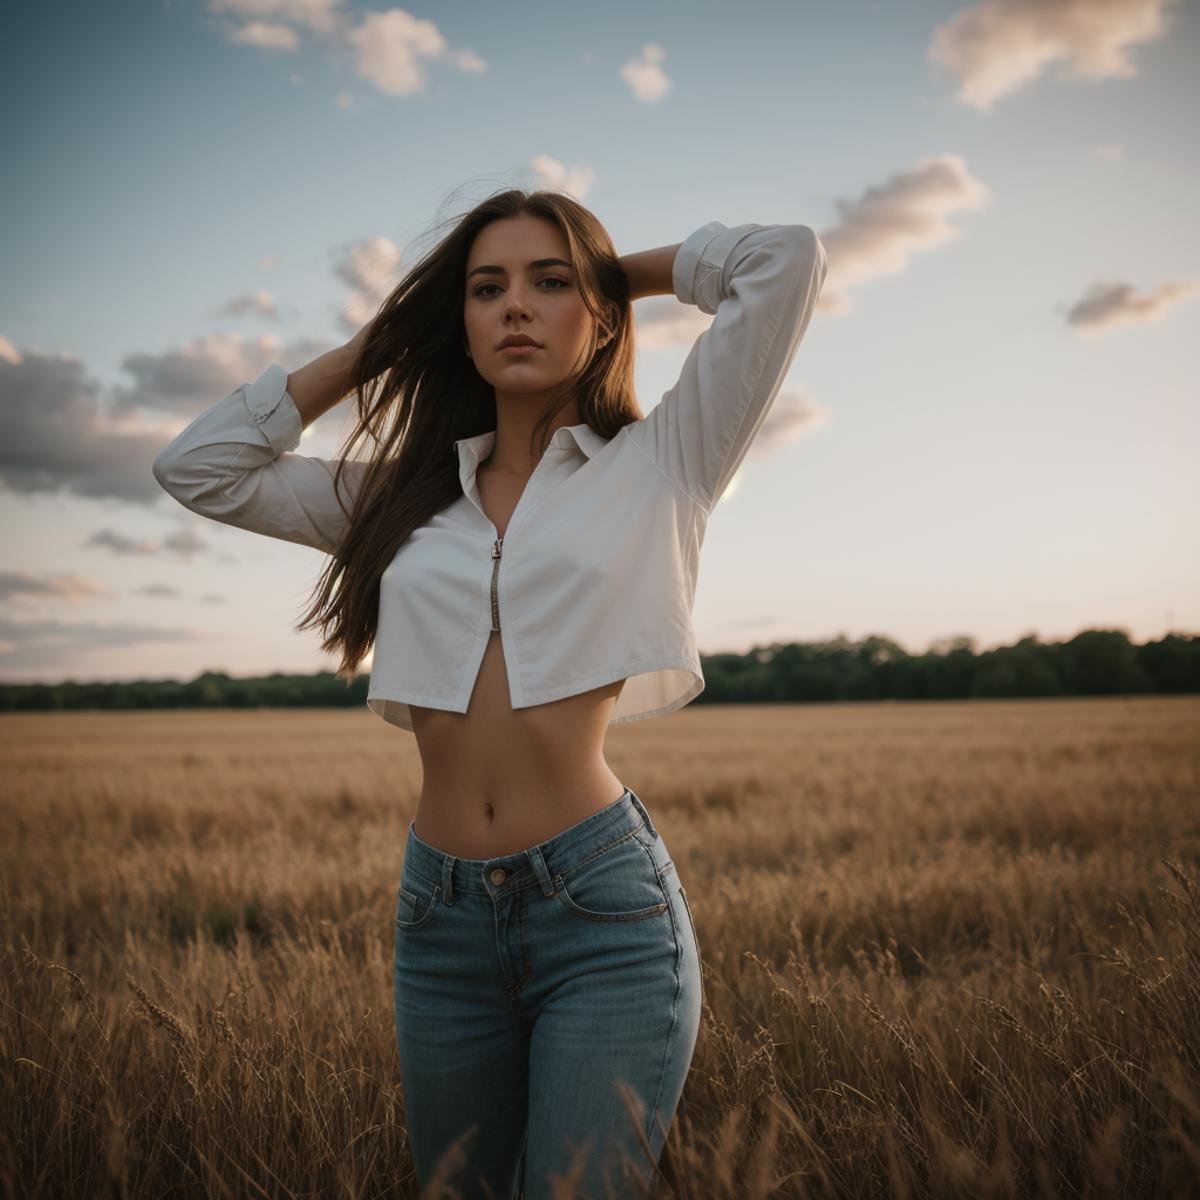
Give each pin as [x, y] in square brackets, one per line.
[537, 264]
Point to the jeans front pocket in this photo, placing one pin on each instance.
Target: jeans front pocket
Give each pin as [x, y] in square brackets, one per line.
[620, 883]
[416, 901]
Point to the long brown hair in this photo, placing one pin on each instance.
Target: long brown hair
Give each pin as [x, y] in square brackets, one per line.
[417, 392]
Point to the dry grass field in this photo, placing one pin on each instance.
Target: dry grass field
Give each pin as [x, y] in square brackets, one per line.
[950, 949]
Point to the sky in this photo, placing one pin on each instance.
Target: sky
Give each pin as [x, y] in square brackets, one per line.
[990, 429]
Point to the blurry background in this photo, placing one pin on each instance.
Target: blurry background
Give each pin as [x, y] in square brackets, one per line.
[990, 428]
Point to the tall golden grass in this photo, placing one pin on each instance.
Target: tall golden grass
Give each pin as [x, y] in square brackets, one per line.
[950, 949]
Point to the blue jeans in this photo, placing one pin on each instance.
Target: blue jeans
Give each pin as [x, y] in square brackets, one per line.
[547, 1004]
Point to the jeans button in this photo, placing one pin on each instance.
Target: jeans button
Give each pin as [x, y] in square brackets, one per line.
[498, 876]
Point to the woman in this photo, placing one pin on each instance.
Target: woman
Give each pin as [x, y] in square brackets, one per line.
[521, 548]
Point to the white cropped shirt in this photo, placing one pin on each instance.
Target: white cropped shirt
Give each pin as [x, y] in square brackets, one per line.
[595, 576]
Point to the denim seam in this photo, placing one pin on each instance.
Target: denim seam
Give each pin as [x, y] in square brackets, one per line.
[574, 909]
[657, 875]
[522, 899]
[662, 1074]
[510, 985]
[617, 841]
[695, 936]
[426, 915]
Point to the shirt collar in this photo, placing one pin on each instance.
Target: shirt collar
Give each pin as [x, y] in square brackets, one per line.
[584, 436]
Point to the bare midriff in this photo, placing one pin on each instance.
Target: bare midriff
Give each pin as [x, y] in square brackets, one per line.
[499, 780]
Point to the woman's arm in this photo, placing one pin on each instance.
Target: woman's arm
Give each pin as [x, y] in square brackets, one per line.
[327, 380]
[233, 462]
[649, 271]
[760, 282]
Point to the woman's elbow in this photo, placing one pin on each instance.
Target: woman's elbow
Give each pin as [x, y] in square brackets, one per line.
[165, 471]
[192, 488]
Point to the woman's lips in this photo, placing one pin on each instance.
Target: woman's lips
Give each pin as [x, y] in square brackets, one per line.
[518, 351]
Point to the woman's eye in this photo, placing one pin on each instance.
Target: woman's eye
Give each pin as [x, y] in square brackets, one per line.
[479, 291]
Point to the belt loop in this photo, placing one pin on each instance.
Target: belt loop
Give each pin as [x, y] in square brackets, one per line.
[540, 869]
[448, 861]
[642, 809]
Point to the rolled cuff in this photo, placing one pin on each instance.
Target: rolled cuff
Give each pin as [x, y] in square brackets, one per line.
[700, 261]
[273, 409]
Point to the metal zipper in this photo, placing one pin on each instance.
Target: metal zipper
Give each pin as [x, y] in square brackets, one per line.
[497, 547]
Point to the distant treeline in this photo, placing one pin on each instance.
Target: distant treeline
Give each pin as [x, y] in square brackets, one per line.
[1095, 662]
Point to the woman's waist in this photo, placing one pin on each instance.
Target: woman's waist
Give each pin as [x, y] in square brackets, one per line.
[501, 801]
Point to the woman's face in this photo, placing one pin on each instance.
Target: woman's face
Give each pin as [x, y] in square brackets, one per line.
[505, 294]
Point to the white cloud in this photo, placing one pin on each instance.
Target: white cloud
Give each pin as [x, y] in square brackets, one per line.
[551, 173]
[322, 16]
[644, 74]
[1109, 305]
[469, 61]
[371, 268]
[997, 47]
[890, 223]
[20, 586]
[793, 414]
[260, 302]
[183, 543]
[267, 37]
[389, 47]
[662, 321]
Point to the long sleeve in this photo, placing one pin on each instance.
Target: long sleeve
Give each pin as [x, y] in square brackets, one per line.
[232, 463]
[761, 282]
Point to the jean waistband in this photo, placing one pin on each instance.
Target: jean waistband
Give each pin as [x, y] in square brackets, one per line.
[523, 868]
